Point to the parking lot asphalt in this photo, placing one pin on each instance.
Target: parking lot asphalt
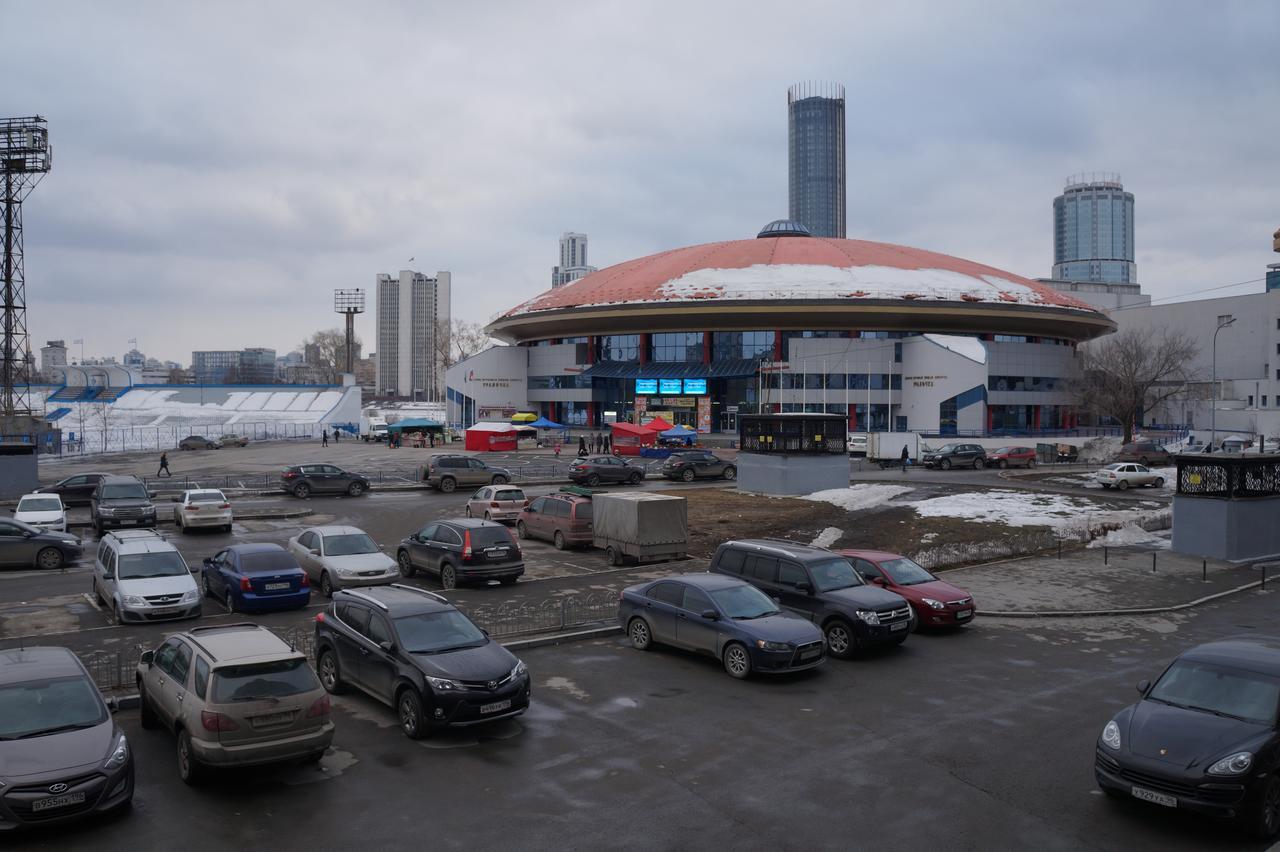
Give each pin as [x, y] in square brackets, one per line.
[978, 739]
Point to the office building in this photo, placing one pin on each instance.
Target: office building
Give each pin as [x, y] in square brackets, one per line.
[1093, 231]
[413, 315]
[815, 152]
[255, 366]
[53, 356]
[573, 260]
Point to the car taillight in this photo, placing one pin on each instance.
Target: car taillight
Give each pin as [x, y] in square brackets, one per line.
[493, 504]
[319, 618]
[193, 508]
[466, 544]
[319, 707]
[288, 474]
[526, 504]
[306, 581]
[245, 585]
[217, 721]
[224, 506]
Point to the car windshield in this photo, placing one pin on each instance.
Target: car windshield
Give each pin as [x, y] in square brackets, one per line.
[744, 602]
[34, 708]
[140, 566]
[272, 560]
[39, 504]
[832, 574]
[948, 448]
[124, 492]
[1005, 450]
[262, 681]
[434, 632]
[207, 497]
[510, 494]
[490, 536]
[905, 572]
[1220, 690]
[349, 544]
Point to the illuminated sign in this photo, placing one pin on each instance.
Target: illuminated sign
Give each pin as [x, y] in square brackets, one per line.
[646, 385]
[666, 386]
[695, 387]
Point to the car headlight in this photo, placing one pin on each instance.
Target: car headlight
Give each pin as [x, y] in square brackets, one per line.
[519, 669]
[1236, 764]
[133, 600]
[934, 604]
[443, 683]
[344, 572]
[119, 753]
[106, 510]
[868, 617]
[191, 596]
[1111, 735]
[772, 646]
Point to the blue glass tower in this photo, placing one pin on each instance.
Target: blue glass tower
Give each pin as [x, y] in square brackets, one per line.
[1093, 231]
[815, 147]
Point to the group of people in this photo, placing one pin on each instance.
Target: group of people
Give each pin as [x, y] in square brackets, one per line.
[596, 443]
[324, 437]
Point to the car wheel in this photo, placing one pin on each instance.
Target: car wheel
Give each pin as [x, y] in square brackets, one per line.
[226, 528]
[189, 769]
[1159, 483]
[1108, 487]
[302, 491]
[326, 584]
[229, 602]
[558, 540]
[177, 521]
[1003, 464]
[635, 478]
[593, 480]
[839, 636]
[978, 465]
[521, 530]
[355, 489]
[687, 476]
[146, 713]
[501, 480]
[204, 586]
[488, 517]
[97, 595]
[406, 565]
[613, 555]
[115, 614]
[1031, 463]
[639, 634]
[1265, 815]
[731, 473]
[448, 576]
[913, 625]
[467, 511]
[1122, 484]
[50, 559]
[330, 673]
[945, 464]
[409, 710]
[737, 662]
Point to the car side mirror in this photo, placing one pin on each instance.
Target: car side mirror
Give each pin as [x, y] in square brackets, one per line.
[1143, 686]
[207, 560]
[151, 495]
[147, 657]
[382, 547]
[804, 588]
[314, 551]
[710, 615]
[387, 647]
[879, 581]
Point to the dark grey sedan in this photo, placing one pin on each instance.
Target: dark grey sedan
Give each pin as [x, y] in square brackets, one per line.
[74, 490]
[594, 470]
[25, 546]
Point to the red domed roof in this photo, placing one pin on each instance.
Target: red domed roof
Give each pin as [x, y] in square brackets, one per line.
[798, 268]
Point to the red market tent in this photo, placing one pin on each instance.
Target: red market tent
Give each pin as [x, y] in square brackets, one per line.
[657, 424]
[492, 437]
[628, 439]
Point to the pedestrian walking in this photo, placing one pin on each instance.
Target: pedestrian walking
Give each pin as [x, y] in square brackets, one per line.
[164, 465]
[431, 436]
[324, 438]
[608, 444]
[337, 434]
[557, 449]
[582, 447]
[906, 457]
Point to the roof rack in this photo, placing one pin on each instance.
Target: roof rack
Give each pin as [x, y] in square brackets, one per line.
[142, 532]
[440, 598]
[362, 596]
[212, 627]
[790, 541]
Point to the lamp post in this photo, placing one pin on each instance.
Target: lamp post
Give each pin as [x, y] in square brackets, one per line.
[1213, 406]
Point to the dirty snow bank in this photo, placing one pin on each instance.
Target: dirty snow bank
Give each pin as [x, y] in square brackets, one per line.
[858, 497]
[827, 537]
[1027, 509]
[1132, 535]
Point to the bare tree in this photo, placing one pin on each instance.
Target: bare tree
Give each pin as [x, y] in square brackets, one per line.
[1129, 373]
[459, 340]
[327, 352]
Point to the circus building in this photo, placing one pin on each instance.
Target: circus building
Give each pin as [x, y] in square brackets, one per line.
[891, 337]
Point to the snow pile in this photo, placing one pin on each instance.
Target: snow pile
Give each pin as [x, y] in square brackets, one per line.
[968, 347]
[1131, 535]
[858, 497]
[827, 537]
[1029, 509]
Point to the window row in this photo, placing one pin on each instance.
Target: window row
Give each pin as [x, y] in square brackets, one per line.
[832, 381]
[1025, 383]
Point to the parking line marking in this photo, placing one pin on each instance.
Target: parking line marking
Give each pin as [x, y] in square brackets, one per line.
[93, 603]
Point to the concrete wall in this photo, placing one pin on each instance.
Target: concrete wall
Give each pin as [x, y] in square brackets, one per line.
[19, 474]
[1234, 530]
[796, 474]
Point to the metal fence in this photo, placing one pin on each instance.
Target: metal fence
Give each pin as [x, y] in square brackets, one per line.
[116, 669]
[1228, 475]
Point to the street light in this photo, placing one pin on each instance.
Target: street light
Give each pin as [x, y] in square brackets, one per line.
[1223, 322]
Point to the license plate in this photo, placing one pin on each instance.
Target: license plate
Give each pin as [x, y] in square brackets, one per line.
[963, 614]
[57, 802]
[127, 523]
[272, 718]
[165, 610]
[496, 554]
[901, 625]
[810, 655]
[275, 587]
[495, 706]
[1152, 796]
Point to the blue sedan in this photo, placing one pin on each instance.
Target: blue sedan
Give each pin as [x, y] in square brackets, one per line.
[724, 618]
[256, 578]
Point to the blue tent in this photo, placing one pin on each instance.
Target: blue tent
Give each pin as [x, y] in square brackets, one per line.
[678, 432]
[544, 423]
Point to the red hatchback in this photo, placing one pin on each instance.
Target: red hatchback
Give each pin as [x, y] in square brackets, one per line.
[934, 602]
[1012, 457]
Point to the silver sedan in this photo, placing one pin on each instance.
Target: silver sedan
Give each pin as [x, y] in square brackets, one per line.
[342, 558]
[1122, 475]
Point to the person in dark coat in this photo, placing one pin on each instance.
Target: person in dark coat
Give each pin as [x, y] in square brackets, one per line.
[164, 465]
[607, 443]
[324, 438]
[906, 457]
[582, 447]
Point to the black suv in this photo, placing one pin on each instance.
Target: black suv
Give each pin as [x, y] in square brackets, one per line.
[121, 501]
[302, 480]
[462, 549]
[823, 587]
[414, 651]
[956, 455]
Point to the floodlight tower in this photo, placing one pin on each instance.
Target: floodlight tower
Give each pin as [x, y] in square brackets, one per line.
[25, 157]
[349, 303]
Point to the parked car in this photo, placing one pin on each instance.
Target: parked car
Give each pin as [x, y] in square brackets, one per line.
[44, 511]
[342, 558]
[562, 519]
[496, 503]
[25, 546]
[1203, 737]
[594, 470]
[857, 444]
[234, 695]
[821, 586]
[138, 576]
[721, 617]
[202, 507]
[1122, 476]
[255, 578]
[698, 464]
[301, 480]
[121, 501]
[446, 472]
[74, 490]
[231, 440]
[198, 442]
[956, 455]
[459, 550]
[62, 755]
[1144, 452]
[1012, 457]
[934, 602]
[416, 652]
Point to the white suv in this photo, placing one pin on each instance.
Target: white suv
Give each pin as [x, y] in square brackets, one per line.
[141, 577]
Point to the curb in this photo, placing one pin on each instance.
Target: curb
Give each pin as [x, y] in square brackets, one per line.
[1150, 610]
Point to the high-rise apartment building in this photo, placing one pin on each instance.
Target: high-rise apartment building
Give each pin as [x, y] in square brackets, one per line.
[815, 154]
[573, 260]
[413, 318]
[1093, 231]
[53, 356]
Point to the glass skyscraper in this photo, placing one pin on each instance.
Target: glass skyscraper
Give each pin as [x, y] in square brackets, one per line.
[815, 147]
[1093, 231]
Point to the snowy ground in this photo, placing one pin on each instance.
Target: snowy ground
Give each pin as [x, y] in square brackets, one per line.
[858, 497]
[1132, 535]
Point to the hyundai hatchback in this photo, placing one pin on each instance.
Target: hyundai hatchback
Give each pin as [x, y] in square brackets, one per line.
[496, 503]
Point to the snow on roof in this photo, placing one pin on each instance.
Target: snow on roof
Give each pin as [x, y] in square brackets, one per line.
[969, 347]
[491, 427]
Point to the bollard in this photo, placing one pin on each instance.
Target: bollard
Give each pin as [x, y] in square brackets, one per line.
[1204, 570]
[1059, 548]
[1153, 562]
[1104, 554]
[1264, 578]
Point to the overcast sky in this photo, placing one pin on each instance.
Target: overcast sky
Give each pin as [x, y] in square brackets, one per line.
[221, 167]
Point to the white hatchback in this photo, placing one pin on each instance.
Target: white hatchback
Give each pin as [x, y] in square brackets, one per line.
[1122, 475]
[202, 507]
[42, 510]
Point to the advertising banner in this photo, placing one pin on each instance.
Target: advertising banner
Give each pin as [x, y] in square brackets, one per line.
[704, 414]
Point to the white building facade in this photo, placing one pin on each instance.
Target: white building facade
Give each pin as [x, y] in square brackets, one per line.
[413, 316]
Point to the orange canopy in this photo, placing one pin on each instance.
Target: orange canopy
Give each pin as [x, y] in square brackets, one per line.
[657, 424]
